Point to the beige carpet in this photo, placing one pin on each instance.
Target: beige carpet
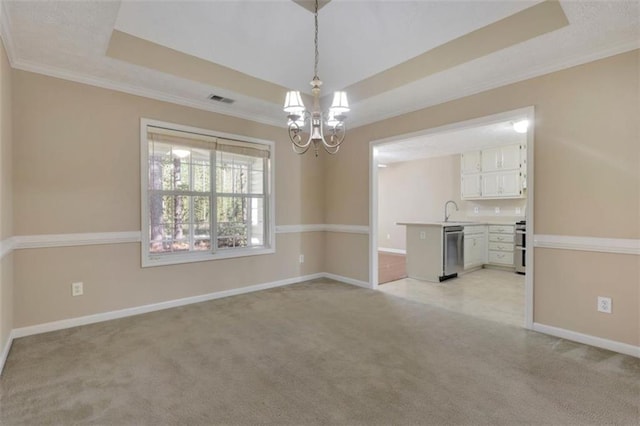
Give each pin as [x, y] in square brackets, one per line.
[313, 353]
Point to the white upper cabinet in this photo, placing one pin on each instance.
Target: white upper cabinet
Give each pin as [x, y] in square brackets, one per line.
[470, 186]
[502, 184]
[470, 162]
[493, 173]
[501, 158]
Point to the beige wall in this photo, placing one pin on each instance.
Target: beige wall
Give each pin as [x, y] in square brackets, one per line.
[6, 194]
[587, 179]
[113, 278]
[77, 169]
[416, 191]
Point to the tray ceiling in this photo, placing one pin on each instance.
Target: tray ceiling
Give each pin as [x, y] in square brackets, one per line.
[392, 56]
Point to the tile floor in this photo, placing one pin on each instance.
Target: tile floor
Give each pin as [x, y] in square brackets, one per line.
[486, 293]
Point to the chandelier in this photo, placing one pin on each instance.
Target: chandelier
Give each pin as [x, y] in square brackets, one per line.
[299, 118]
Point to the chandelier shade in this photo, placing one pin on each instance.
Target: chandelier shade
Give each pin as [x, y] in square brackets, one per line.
[315, 121]
[293, 102]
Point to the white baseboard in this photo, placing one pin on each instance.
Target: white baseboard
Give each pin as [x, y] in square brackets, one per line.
[587, 339]
[106, 316]
[392, 250]
[5, 351]
[122, 313]
[347, 280]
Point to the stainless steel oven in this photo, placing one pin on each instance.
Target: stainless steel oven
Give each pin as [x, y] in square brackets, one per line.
[521, 247]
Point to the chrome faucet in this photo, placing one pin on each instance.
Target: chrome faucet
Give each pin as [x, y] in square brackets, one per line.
[446, 216]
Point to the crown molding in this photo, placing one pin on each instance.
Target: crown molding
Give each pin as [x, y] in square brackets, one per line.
[5, 34]
[494, 84]
[137, 91]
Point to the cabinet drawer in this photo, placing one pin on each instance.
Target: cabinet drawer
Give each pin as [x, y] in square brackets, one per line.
[501, 258]
[501, 238]
[501, 229]
[501, 246]
[474, 230]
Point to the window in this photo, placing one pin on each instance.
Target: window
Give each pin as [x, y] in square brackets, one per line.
[204, 196]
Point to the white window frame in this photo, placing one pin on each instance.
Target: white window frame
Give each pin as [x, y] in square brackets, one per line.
[151, 259]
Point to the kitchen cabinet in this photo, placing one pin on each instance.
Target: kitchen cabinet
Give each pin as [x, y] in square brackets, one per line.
[470, 186]
[501, 245]
[475, 246]
[470, 162]
[493, 173]
[502, 184]
[501, 158]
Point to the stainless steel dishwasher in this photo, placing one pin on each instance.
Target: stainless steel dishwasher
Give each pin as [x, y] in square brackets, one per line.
[453, 251]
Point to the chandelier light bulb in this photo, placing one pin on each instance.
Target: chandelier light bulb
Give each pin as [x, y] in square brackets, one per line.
[521, 126]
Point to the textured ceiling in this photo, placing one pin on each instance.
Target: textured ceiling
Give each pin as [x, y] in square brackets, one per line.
[452, 142]
[271, 41]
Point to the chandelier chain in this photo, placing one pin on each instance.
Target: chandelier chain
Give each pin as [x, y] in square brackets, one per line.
[315, 40]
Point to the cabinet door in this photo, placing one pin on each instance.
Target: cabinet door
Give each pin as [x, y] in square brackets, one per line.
[501, 158]
[474, 251]
[510, 184]
[510, 157]
[470, 186]
[481, 249]
[468, 252]
[490, 184]
[470, 162]
[491, 159]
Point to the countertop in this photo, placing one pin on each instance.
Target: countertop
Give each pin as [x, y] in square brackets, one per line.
[453, 223]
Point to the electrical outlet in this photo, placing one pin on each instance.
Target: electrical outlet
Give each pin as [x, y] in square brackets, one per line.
[388, 236]
[604, 304]
[497, 210]
[77, 289]
[476, 209]
[423, 235]
[518, 211]
[302, 258]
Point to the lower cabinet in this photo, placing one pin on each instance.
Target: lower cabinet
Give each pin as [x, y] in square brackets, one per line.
[501, 245]
[475, 246]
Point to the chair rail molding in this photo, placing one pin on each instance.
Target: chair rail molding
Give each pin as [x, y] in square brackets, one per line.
[6, 246]
[602, 245]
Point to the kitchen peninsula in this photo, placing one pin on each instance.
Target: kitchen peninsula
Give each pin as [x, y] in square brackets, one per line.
[437, 251]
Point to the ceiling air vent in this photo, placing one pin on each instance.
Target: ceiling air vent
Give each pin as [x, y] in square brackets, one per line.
[221, 99]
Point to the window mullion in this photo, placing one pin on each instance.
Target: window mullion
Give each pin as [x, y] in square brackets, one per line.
[213, 215]
[249, 204]
[265, 203]
[192, 224]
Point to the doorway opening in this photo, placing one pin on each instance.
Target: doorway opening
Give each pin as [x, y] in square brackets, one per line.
[469, 174]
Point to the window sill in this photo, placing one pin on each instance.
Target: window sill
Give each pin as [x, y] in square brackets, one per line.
[174, 259]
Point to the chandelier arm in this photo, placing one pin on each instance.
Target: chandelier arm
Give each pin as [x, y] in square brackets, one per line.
[337, 137]
[295, 136]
